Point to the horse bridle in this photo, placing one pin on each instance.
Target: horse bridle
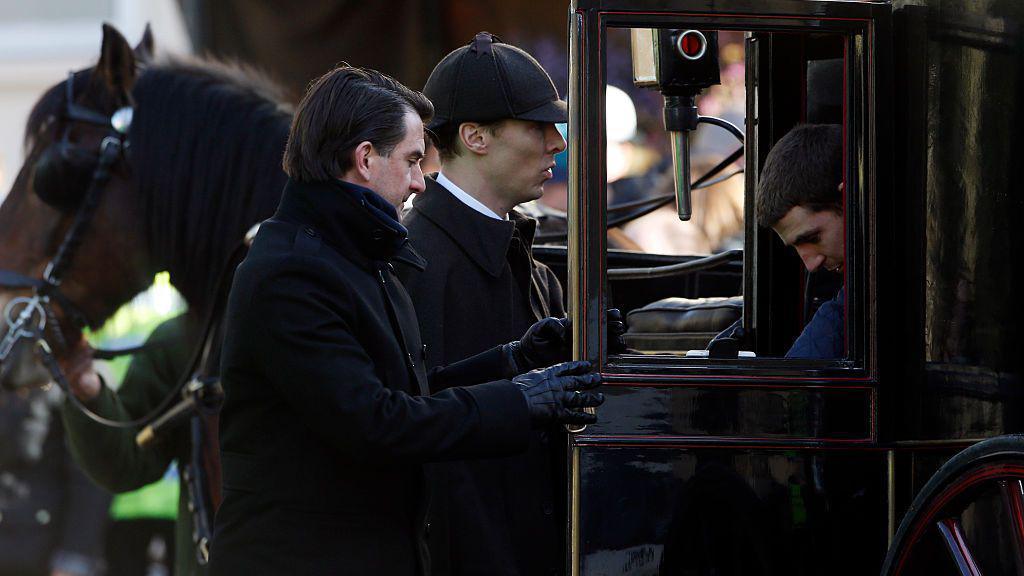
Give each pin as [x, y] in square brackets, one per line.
[36, 317]
[32, 318]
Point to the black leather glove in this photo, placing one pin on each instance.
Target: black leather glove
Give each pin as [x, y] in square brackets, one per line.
[549, 340]
[558, 394]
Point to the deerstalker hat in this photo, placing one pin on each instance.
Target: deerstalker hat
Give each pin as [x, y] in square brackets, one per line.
[488, 80]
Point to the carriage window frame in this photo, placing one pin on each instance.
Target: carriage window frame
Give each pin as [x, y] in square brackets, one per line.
[863, 29]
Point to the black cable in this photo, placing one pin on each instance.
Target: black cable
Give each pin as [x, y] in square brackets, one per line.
[688, 267]
[701, 182]
[620, 220]
[729, 126]
[720, 179]
[649, 205]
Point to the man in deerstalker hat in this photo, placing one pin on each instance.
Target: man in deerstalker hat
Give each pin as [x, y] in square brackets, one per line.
[494, 127]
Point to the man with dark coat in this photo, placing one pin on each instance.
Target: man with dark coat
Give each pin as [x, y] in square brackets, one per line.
[496, 110]
[52, 519]
[328, 420]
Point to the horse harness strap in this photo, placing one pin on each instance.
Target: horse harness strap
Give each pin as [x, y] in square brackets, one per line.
[36, 319]
[32, 318]
[202, 473]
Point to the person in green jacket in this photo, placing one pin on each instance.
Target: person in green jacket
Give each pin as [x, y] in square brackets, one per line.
[110, 456]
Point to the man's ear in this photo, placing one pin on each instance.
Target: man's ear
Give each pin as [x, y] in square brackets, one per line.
[362, 157]
[473, 137]
[841, 187]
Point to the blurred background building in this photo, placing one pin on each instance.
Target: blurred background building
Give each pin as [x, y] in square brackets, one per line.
[41, 40]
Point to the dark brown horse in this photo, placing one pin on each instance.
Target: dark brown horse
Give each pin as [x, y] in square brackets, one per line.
[199, 165]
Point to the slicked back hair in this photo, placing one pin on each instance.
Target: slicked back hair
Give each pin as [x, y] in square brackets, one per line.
[804, 168]
[343, 108]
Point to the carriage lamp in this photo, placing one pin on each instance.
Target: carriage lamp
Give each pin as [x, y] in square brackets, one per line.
[680, 64]
[692, 44]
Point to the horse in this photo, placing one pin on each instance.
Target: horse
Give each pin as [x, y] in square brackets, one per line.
[134, 166]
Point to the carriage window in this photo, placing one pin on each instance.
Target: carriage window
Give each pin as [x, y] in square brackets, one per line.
[729, 215]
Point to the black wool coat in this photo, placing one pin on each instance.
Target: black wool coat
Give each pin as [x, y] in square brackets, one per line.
[481, 288]
[51, 515]
[327, 420]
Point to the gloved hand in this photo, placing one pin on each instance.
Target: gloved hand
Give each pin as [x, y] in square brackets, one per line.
[616, 328]
[548, 341]
[559, 393]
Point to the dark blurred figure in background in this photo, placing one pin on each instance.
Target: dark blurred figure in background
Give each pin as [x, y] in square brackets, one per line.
[52, 518]
[110, 455]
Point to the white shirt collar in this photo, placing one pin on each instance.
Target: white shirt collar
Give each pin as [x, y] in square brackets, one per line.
[465, 198]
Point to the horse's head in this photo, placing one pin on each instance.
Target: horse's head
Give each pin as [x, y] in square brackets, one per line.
[77, 167]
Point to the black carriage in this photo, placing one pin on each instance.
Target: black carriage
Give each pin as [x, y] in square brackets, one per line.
[751, 463]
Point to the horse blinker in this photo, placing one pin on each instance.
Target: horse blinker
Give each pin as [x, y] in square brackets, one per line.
[62, 174]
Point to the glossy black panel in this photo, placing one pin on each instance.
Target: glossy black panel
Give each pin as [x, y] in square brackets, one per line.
[735, 412]
[953, 280]
[730, 512]
[970, 402]
[974, 203]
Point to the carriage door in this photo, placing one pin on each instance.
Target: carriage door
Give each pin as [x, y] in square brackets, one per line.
[723, 456]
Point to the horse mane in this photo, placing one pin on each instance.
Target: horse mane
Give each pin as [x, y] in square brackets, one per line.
[206, 144]
[206, 147]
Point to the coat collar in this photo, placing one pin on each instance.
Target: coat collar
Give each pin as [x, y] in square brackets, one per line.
[485, 240]
[354, 220]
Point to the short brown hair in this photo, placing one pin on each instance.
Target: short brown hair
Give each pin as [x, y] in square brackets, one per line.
[804, 168]
[341, 109]
[446, 137]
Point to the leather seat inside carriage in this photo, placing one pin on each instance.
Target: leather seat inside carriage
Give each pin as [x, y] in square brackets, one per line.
[676, 325]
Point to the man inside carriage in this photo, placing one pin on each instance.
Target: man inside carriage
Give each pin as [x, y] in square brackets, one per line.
[800, 196]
